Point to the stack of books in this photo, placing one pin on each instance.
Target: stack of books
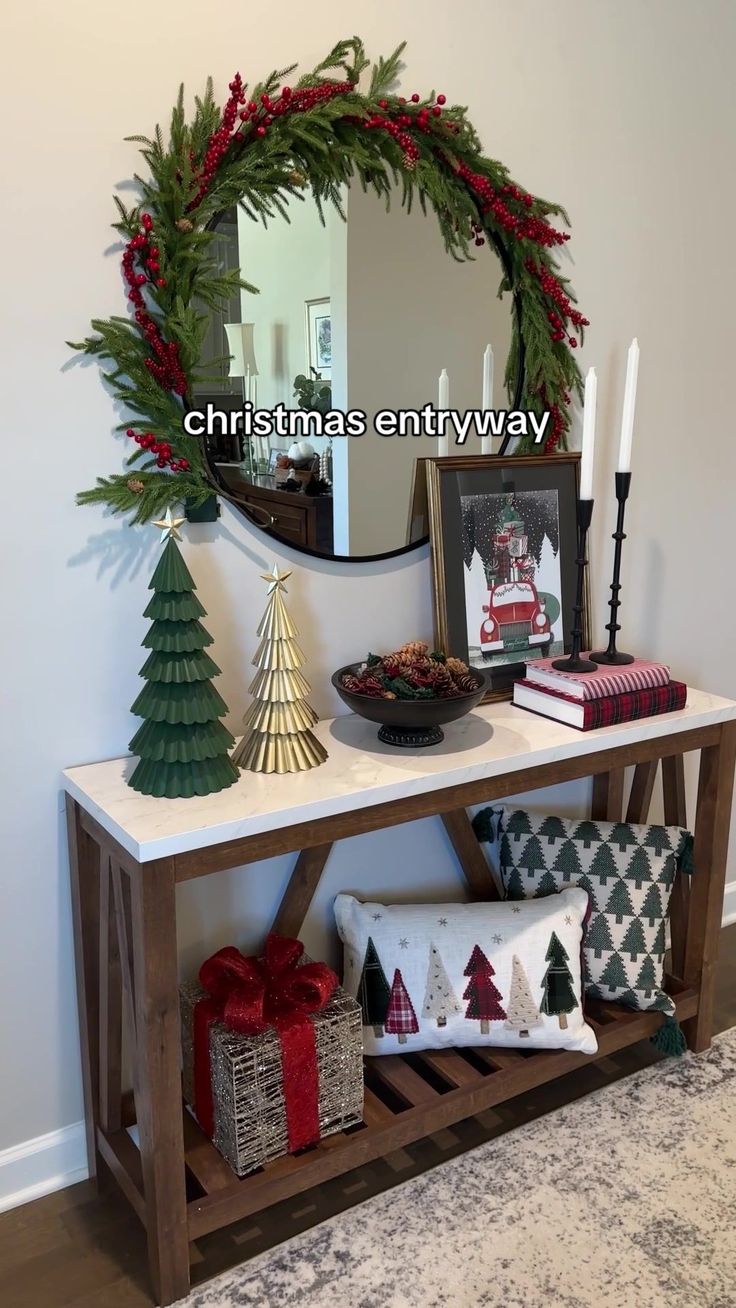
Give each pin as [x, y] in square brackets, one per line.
[609, 695]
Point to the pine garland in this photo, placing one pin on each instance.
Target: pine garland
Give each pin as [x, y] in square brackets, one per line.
[260, 151]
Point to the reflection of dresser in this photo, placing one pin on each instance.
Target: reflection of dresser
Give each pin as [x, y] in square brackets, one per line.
[298, 518]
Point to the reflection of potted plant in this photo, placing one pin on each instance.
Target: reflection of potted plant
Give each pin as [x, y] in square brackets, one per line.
[313, 393]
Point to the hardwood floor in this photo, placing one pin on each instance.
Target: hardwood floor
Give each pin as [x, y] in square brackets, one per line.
[81, 1249]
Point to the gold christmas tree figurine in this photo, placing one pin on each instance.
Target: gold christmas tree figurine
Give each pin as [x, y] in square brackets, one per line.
[277, 735]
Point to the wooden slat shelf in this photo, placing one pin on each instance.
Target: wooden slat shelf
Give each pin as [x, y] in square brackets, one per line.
[466, 1090]
[124, 906]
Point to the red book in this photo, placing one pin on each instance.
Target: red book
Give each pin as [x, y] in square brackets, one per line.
[602, 712]
[605, 681]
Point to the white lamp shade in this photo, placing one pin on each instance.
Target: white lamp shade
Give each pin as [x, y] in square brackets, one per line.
[240, 345]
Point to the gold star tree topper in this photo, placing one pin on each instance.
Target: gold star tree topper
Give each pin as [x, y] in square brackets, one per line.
[169, 525]
[276, 578]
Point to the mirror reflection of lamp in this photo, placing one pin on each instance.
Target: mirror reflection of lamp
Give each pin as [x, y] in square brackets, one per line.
[243, 364]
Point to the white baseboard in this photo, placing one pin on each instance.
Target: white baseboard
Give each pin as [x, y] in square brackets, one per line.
[38, 1167]
[729, 903]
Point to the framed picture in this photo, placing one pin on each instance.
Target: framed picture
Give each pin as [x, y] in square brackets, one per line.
[319, 338]
[504, 543]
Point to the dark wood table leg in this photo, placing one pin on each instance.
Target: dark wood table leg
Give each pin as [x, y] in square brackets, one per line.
[712, 826]
[300, 890]
[111, 1006]
[607, 804]
[470, 856]
[84, 866]
[158, 1059]
[640, 795]
[675, 815]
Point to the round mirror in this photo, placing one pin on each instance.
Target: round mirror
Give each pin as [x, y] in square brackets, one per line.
[322, 351]
[359, 313]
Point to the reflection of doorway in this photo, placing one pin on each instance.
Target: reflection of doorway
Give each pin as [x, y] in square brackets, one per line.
[220, 389]
[215, 348]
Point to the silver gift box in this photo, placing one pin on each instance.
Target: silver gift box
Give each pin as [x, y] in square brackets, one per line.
[247, 1090]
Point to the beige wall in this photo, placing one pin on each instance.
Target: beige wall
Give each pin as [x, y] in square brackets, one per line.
[622, 110]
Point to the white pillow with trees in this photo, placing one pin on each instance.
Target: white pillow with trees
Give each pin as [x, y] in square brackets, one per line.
[430, 976]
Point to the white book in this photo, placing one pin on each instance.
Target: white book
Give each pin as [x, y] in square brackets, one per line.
[551, 706]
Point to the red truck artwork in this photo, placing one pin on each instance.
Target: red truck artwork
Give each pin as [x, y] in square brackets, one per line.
[516, 613]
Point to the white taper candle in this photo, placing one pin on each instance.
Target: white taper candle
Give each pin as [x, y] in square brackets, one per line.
[443, 402]
[627, 418]
[586, 462]
[487, 398]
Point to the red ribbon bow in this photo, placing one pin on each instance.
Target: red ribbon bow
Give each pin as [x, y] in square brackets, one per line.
[251, 995]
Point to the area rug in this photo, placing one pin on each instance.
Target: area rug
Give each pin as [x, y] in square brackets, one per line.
[625, 1199]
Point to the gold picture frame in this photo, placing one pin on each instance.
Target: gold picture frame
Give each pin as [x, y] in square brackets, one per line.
[466, 494]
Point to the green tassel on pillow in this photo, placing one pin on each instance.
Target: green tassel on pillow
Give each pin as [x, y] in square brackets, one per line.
[669, 1038]
[685, 853]
[483, 825]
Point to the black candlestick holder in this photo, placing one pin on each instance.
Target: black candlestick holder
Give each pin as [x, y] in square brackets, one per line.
[612, 656]
[573, 662]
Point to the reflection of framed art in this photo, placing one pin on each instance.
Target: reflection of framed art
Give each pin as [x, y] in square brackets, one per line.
[319, 338]
[504, 545]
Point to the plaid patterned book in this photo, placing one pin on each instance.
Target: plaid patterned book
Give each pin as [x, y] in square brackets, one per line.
[605, 712]
[639, 675]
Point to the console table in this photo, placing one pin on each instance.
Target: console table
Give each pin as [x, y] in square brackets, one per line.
[127, 853]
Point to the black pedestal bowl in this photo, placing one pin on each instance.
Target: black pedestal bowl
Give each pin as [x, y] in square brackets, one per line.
[409, 723]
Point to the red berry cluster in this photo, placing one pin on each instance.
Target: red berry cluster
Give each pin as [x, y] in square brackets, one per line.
[398, 120]
[164, 363]
[556, 430]
[219, 140]
[525, 226]
[396, 129]
[163, 451]
[553, 288]
[257, 116]
[308, 96]
[532, 228]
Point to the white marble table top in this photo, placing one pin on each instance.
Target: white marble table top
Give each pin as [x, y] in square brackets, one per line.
[359, 772]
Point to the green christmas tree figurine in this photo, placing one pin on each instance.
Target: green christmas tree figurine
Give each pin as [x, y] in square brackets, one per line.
[182, 746]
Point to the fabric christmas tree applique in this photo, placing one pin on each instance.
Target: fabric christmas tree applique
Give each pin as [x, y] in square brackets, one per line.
[484, 998]
[440, 1000]
[401, 1020]
[558, 997]
[431, 976]
[523, 1014]
[373, 991]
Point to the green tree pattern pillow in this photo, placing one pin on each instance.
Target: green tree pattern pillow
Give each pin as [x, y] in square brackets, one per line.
[628, 872]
